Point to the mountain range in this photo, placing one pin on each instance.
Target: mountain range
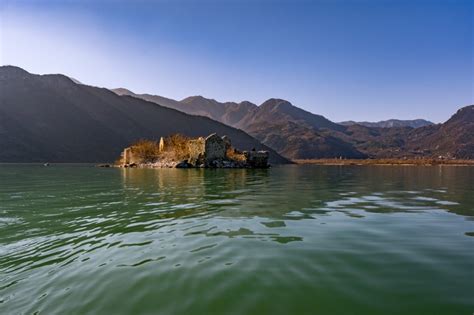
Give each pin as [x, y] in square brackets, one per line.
[291, 131]
[414, 123]
[299, 134]
[52, 118]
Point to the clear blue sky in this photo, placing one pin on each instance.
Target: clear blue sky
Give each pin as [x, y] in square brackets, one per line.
[360, 60]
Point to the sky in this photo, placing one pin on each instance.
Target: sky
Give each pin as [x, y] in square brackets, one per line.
[347, 60]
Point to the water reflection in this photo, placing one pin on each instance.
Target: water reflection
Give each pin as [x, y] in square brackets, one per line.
[75, 221]
[280, 195]
[294, 193]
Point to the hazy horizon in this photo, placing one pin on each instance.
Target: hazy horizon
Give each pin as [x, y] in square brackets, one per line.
[358, 60]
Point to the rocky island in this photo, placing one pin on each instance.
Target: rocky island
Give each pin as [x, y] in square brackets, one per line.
[178, 151]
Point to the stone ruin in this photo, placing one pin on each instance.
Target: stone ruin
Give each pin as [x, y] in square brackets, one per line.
[256, 159]
[206, 150]
[212, 151]
[128, 158]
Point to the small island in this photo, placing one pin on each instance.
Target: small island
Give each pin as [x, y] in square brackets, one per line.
[178, 151]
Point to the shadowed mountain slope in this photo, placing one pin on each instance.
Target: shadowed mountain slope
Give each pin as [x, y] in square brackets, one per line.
[51, 118]
[229, 113]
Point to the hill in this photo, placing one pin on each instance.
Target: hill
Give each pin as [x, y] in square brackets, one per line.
[452, 139]
[299, 134]
[391, 123]
[229, 113]
[291, 131]
[51, 118]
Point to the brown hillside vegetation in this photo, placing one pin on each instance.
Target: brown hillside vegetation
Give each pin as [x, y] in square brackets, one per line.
[417, 161]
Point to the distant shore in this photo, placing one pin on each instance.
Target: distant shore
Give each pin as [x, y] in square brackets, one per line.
[422, 162]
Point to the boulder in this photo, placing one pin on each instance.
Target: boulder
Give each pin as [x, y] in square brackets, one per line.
[184, 164]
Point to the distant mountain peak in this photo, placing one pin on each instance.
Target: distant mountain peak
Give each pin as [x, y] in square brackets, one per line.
[275, 102]
[278, 106]
[122, 91]
[465, 113]
[469, 109]
[390, 123]
[247, 103]
[12, 71]
[197, 98]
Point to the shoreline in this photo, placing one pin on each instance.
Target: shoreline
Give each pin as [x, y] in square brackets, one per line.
[401, 162]
[329, 162]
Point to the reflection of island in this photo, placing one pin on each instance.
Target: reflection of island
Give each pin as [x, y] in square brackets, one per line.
[201, 194]
[266, 204]
[305, 192]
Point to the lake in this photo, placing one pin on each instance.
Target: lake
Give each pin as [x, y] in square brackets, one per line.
[75, 239]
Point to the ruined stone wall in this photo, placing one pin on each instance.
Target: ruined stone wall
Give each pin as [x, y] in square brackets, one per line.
[212, 151]
[128, 157]
[215, 148]
[197, 151]
[227, 142]
[257, 159]
[162, 144]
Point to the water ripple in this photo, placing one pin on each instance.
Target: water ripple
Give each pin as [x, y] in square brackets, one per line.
[108, 241]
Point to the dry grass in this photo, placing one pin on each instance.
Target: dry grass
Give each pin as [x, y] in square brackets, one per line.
[146, 150]
[420, 161]
[234, 155]
[176, 147]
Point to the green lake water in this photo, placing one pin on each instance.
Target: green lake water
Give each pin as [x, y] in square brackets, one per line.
[289, 240]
